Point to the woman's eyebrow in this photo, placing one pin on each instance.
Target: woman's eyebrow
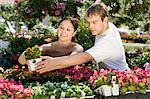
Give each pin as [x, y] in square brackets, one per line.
[70, 26]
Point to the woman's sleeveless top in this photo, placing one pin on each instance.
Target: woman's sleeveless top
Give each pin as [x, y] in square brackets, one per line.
[55, 50]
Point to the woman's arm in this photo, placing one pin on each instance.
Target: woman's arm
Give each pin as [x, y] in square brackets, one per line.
[22, 59]
[44, 46]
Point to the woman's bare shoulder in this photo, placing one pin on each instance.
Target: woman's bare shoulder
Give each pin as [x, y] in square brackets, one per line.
[78, 47]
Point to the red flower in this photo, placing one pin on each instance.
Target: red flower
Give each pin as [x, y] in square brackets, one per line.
[16, 67]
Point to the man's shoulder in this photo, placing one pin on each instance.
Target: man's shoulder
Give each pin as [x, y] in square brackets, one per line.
[112, 25]
[113, 30]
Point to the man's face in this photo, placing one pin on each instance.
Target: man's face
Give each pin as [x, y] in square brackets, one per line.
[96, 25]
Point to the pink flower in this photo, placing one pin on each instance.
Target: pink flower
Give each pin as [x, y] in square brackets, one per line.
[148, 80]
[16, 67]
[79, 1]
[91, 80]
[122, 83]
[148, 73]
[19, 82]
[147, 67]
[1, 86]
[57, 12]
[134, 79]
[9, 93]
[27, 92]
[77, 67]
[102, 70]
[127, 71]
[138, 70]
[127, 76]
[12, 81]
[20, 88]
[144, 80]
[61, 6]
[95, 73]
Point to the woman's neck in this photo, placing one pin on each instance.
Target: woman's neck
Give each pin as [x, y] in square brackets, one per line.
[64, 43]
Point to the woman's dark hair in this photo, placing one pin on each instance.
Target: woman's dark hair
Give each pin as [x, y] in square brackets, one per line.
[73, 20]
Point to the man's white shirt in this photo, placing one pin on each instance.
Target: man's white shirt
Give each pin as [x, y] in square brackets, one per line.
[108, 49]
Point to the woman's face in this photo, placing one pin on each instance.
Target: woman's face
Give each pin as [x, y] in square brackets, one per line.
[65, 30]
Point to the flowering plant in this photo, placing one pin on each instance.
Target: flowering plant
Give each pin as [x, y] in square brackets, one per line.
[13, 90]
[136, 80]
[26, 76]
[78, 73]
[21, 74]
[103, 77]
[4, 31]
[57, 88]
[32, 53]
[40, 8]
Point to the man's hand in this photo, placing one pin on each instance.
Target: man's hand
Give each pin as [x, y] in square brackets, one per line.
[45, 66]
[46, 57]
[50, 63]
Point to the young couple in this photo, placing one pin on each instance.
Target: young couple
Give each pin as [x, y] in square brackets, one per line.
[108, 47]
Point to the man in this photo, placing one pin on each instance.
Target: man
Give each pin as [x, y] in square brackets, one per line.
[108, 47]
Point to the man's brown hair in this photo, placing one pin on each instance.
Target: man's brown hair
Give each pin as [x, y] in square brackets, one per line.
[97, 9]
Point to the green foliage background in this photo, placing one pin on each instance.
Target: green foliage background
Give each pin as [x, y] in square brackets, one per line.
[132, 13]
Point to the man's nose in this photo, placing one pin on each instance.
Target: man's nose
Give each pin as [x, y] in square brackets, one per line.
[91, 26]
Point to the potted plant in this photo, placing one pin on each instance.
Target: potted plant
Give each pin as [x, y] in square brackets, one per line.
[32, 55]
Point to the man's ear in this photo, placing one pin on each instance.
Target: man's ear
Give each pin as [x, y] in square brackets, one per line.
[105, 19]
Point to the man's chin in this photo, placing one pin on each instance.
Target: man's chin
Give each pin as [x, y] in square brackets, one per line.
[94, 33]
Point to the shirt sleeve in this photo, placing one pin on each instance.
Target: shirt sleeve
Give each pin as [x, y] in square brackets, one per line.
[102, 50]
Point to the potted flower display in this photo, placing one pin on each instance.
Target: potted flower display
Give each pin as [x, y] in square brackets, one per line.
[32, 55]
[61, 90]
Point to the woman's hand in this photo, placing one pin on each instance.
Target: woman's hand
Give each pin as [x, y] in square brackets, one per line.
[22, 59]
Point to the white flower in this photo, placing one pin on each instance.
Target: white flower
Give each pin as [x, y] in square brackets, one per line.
[1, 69]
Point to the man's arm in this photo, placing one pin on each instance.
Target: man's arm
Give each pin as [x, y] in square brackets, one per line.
[63, 62]
[72, 60]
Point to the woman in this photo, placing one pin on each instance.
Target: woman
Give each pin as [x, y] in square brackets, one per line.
[66, 31]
